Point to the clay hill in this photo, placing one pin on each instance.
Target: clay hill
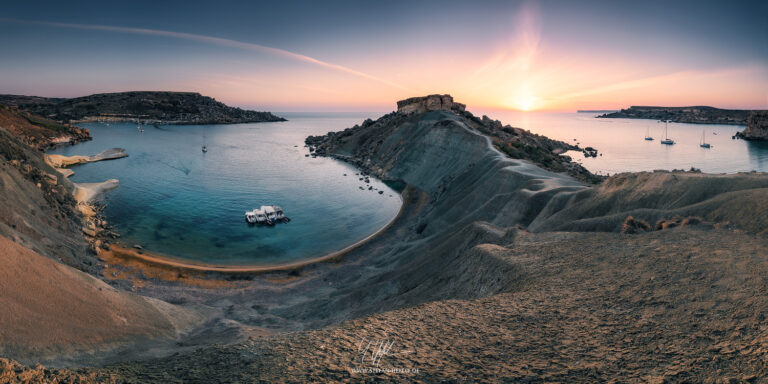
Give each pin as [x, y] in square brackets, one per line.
[695, 115]
[147, 106]
[497, 270]
[39, 132]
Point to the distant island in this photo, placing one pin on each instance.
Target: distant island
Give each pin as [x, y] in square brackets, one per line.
[695, 115]
[149, 107]
[755, 120]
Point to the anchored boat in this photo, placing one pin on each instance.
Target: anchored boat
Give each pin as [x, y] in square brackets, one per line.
[703, 143]
[648, 134]
[667, 140]
[266, 214]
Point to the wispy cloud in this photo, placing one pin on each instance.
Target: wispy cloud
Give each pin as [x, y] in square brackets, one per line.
[215, 41]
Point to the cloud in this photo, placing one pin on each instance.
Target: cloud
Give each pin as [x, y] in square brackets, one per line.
[216, 41]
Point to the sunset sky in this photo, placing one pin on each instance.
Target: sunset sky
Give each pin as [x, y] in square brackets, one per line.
[365, 55]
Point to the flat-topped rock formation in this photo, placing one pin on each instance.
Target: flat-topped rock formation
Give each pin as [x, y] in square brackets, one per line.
[428, 103]
[757, 126]
[60, 161]
[694, 115]
[151, 107]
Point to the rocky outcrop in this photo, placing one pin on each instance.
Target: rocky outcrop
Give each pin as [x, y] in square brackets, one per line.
[37, 209]
[695, 115]
[757, 126]
[428, 103]
[442, 111]
[39, 132]
[148, 107]
[60, 161]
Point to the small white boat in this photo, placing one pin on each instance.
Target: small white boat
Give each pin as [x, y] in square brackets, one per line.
[667, 140]
[703, 143]
[648, 134]
[266, 214]
[205, 149]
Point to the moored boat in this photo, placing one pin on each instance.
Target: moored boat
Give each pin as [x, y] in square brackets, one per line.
[266, 214]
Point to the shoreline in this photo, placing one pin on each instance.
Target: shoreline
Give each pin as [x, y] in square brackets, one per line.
[154, 260]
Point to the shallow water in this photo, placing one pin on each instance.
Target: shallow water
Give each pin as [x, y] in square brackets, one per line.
[623, 148]
[175, 200]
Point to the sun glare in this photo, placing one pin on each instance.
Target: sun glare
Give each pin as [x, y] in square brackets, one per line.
[525, 102]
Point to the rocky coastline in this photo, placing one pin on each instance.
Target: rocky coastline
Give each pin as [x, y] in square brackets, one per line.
[691, 115]
[515, 142]
[39, 132]
[148, 107]
[757, 127]
[498, 270]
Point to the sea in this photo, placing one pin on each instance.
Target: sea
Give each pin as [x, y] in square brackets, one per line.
[622, 146]
[175, 200]
[178, 201]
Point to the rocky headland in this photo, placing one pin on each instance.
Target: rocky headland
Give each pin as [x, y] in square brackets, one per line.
[40, 132]
[356, 143]
[757, 126]
[498, 270]
[150, 107]
[694, 115]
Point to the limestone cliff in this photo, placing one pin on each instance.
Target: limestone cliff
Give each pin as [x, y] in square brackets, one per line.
[757, 126]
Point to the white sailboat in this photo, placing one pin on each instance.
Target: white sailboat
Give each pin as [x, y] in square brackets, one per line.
[703, 143]
[667, 140]
[648, 133]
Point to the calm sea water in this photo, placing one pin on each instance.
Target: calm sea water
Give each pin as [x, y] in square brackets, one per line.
[623, 148]
[175, 200]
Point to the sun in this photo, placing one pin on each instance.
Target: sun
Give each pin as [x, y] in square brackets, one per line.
[525, 102]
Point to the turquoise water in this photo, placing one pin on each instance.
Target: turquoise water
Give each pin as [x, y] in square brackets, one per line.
[175, 200]
[623, 148]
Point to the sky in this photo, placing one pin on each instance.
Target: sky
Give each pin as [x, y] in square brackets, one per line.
[365, 55]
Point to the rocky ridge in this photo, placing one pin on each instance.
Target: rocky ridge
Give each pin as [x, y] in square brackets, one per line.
[516, 143]
[150, 107]
[694, 115]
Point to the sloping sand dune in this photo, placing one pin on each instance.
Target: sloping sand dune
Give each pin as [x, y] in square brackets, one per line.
[51, 309]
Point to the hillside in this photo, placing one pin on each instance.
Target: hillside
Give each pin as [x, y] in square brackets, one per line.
[149, 107]
[695, 115]
[498, 270]
[516, 143]
[40, 132]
